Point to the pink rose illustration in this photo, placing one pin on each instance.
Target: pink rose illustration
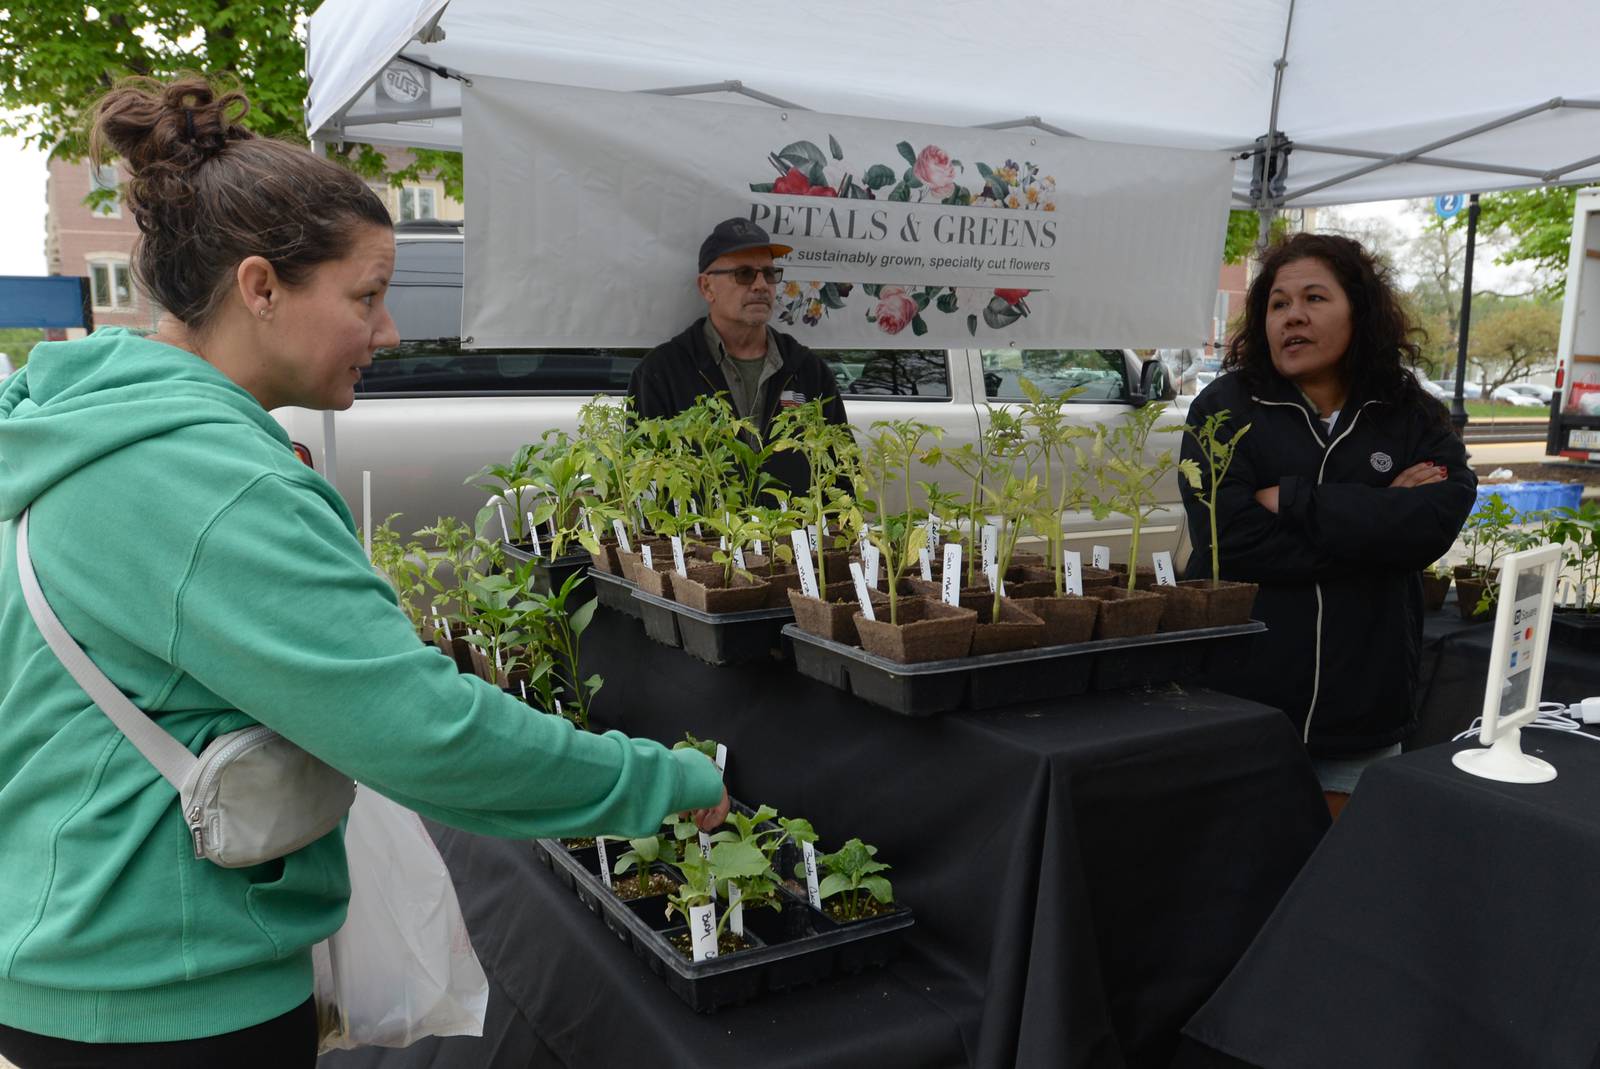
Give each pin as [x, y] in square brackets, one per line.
[895, 310]
[796, 183]
[1011, 297]
[935, 170]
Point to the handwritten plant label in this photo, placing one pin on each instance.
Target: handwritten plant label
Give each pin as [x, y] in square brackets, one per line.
[861, 590]
[925, 562]
[1102, 557]
[622, 536]
[735, 909]
[722, 542]
[802, 560]
[996, 584]
[863, 541]
[705, 846]
[811, 530]
[505, 529]
[808, 853]
[1072, 571]
[533, 536]
[605, 863]
[758, 547]
[678, 564]
[950, 589]
[1164, 573]
[870, 566]
[703, 931]
[696, 510]
[649, 558]
[933, 531]
[722, 757]
[989, 536]
[738, 558]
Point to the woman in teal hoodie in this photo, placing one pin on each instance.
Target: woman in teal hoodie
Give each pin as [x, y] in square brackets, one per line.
[219, 583]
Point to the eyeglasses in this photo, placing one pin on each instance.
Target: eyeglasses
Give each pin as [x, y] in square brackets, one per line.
[744, 276]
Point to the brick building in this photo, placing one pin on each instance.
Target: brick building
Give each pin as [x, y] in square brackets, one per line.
[96, 242]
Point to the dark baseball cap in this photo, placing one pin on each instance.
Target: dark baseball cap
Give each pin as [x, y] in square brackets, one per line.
[736, 235]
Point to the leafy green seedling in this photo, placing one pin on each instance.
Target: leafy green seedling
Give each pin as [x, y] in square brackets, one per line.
[851, 870]
[641, 855]
[1217, 451]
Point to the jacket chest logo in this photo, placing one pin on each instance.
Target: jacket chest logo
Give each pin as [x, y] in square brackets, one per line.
[791, 399]
[1381, 462]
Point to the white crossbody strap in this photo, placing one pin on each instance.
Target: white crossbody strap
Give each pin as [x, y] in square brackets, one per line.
[166, 753]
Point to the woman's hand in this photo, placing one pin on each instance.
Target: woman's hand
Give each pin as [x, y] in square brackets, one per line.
[713, 818]
[1421, 474]
[1267, 498]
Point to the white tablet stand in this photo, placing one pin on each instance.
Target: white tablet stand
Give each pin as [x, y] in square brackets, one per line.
[1516, 669]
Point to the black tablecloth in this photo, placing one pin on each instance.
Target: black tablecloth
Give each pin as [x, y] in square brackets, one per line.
[1455, 667]
[1083, 873]
[1443, 922]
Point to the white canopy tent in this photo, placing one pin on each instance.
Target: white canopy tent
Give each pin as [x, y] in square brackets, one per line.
[1359, 99]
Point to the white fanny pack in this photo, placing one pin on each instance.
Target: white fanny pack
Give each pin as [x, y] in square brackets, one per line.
[251, 796]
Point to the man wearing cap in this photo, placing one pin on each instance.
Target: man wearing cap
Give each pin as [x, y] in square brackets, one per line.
[732, 350]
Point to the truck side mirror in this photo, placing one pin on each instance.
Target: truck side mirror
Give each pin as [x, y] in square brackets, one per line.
[1154, 384]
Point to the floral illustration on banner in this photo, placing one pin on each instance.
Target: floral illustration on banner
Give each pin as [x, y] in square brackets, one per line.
[930, 176]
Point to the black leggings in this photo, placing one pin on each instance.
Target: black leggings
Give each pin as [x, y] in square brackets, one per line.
[286, 1042]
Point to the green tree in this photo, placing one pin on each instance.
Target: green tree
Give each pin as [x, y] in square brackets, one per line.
[1538, 226]
[1243, 226]
[1512, 342]
[18, 342]
[59, 55]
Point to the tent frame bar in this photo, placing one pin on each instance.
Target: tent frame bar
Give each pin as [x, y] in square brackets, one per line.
[732, 85]
[1033, 121]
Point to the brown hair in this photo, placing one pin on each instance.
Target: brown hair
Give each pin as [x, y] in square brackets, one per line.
[1382, 337]
[207, 193]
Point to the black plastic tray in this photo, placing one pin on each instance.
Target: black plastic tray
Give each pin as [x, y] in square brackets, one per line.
[715, 638]
[548, 575]
[793, 948]
[999, 679]
[614, 592]
[1578, 630]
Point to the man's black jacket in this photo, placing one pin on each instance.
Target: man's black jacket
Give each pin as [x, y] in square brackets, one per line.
[1339, 563]
[677, 373]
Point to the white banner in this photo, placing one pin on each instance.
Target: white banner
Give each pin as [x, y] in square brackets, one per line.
[586, 210]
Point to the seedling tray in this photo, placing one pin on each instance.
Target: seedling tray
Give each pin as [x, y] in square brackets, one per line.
[715, 638]
[795, 947]
[999, 679]
[548, 575]
[614, 592]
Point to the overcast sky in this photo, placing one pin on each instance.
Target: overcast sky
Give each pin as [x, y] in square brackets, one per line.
[22, 177]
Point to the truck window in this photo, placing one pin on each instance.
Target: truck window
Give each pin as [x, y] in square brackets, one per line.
[1099, 371]
[882, 374]
[440, 367]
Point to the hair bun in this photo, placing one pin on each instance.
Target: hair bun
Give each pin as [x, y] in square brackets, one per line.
[158, 126]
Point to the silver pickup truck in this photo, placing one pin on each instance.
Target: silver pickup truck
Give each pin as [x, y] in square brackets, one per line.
[427, 414]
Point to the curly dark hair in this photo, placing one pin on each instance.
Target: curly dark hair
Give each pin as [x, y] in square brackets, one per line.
[1383, 340]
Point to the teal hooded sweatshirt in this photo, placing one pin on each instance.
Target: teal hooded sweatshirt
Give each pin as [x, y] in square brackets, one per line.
[219, 583]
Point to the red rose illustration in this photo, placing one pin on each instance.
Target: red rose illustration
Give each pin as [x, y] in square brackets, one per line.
[934, 168]
[1011, 297]
[796, 183]
[895, 310]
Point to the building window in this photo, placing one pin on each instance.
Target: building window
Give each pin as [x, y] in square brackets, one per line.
[416, 202]
[111, 283]
[103, 177]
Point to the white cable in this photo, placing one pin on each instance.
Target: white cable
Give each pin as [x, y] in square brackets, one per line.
[1553, 716]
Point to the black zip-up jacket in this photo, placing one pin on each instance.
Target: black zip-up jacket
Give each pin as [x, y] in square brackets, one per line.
[677, 373]
[1339, 563]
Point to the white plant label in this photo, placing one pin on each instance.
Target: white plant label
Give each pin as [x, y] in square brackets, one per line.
[677, 557]
[802, 560]
[870, 566]
[722, 757]
[1102, 557]
[811, 529]
[703, 930]
[605, 862]
[696, 510]
[809, 854]
[1072, 571]
[862, 541]
[533, 536]
[738, 558]
[861, 590]
[705, 846]
[1164, 573]
[722, 542]
[622, 536]
[988, 537]
[735, 909]
[925, 562]
[933, 531]
[950, 591]
[522, 684]
[558, 707]
[996, 585]
[758, 547]
[588, 524]
[505, 528]
[649, 558]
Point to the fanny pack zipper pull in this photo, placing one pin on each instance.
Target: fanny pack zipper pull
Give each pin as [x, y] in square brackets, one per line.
[197, 832]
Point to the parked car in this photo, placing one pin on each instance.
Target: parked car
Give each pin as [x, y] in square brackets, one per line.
[1429, 387]
[1513, 393]
[1469, 391]
[427, 414]
[1527, 393]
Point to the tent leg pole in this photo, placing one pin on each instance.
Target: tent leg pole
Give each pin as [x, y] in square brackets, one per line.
[1458, 408]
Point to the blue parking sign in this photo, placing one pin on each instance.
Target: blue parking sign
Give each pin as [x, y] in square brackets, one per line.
[1446, 205]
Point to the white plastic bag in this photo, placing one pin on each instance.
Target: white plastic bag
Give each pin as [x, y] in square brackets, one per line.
[401, 967]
